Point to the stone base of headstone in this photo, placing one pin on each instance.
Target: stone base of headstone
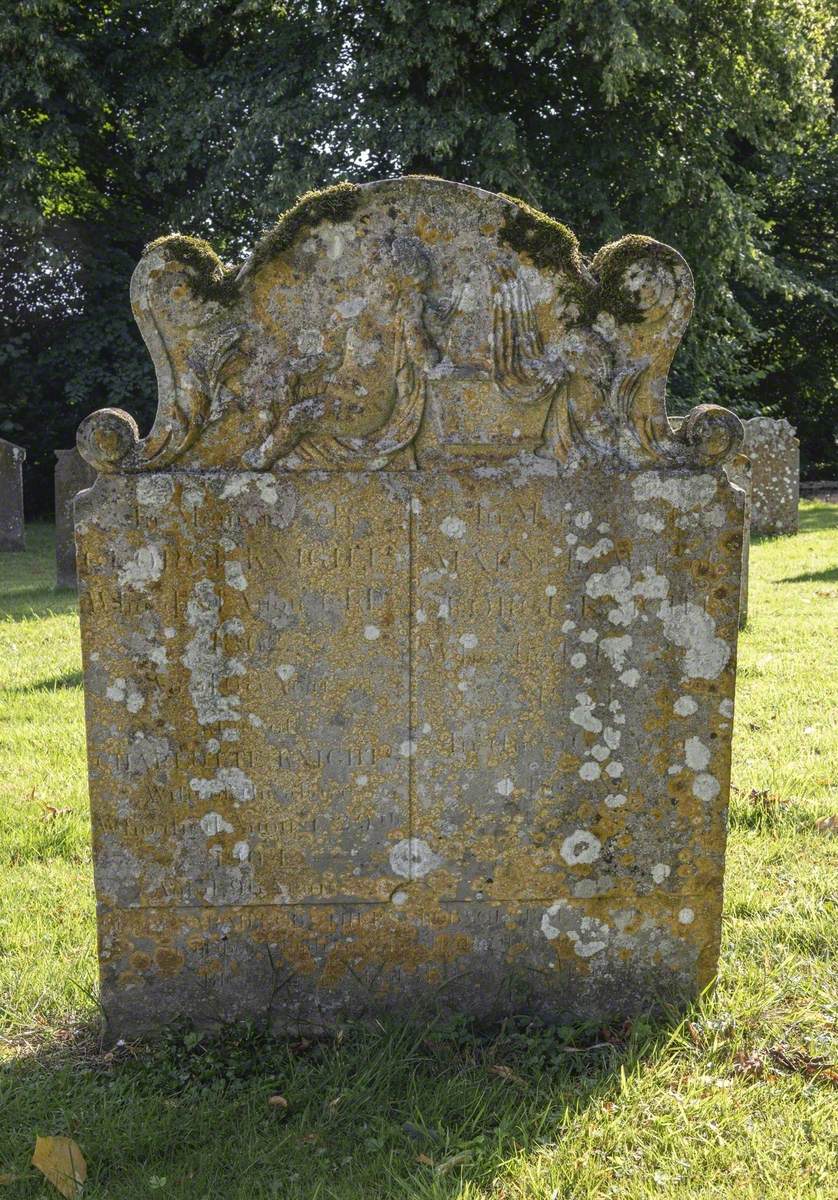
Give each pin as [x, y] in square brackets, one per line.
[72, 475]
[12, 530]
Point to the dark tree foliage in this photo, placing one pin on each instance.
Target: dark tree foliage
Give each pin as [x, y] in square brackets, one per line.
[704, 123]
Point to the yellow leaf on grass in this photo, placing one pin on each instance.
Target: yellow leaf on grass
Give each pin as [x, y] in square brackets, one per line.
[827, 824]
[62, 1162]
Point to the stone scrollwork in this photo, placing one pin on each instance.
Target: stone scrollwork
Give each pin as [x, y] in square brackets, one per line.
[406, 331]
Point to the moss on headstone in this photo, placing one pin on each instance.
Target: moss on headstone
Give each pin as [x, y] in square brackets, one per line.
[545, 240]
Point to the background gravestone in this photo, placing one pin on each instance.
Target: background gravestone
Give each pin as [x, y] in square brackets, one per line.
[774, 452]
[409, 631]
[12, 533]
[72, 475]
[738, 471]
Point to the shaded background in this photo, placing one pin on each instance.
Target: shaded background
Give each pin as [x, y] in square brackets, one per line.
[708, 124]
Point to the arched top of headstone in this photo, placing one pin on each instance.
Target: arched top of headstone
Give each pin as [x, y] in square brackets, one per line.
[412, 323]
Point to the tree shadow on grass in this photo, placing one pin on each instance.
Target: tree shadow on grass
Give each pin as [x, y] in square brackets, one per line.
[827, 575]
[380, 1110]
[815, 516]
[36, 604]
[54, 683]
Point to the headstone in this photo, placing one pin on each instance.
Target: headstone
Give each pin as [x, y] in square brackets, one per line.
[409, 630]
[738, 471]
[12, 534]
[774, 452]
[72, 475]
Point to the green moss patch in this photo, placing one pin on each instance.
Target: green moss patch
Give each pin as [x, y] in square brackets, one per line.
[210, 280]
[337, 203]
[545, 240]
[610, 264]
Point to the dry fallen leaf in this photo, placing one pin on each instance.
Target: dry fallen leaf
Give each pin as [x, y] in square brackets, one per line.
[424, 1160]
[278, 1101]
[809, 1065]
[62, 1162]
[827, 824]
[51, 812]
[748, 1064]
[456, 1160]
[508, 1074]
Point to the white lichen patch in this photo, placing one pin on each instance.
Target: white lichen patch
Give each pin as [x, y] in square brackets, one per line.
[585, 554]
[213, 823]
[696, 754]
[125, 691]
[589, 771]
[372, 633]
[726, 709]
[615, 800]
[684, 706]
[286, 671]
[706, 787]
[578, 660]
[155, 490]
[468, 641]
[650, 522]
[234, 575]
[661, 871]
[583, 713]
[413, 858]
[679, 491]
[229, 780]
[580, 847]
[686, 916]
[453, 527]
[589, 935]
[504, 787]
[615, 650]
[694, 630]
[407, 749]
[205, 659]
[145, 566]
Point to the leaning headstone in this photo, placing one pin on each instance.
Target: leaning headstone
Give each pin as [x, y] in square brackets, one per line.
[410, 628]
[72, 475]
[774, 452]
[12, 534]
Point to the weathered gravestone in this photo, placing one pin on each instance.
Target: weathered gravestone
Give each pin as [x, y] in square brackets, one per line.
[409, 630]
[12, 533]
[774, 452]
[738, 470]
[72, 475]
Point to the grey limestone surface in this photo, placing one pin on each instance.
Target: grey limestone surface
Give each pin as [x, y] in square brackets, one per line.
[12, 533]
[72, 475]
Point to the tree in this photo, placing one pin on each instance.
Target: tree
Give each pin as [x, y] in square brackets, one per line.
[121, 121]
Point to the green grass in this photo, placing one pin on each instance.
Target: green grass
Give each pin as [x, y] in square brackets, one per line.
[701, 1107]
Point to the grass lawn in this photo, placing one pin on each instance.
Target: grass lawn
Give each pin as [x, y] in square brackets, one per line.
[735, 1100]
